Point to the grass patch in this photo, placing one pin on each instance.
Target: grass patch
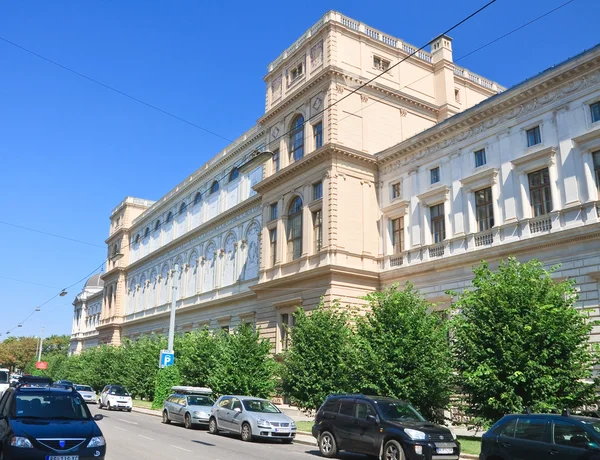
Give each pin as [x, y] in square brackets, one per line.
[142, 403]
[304, 426]
[470, 445]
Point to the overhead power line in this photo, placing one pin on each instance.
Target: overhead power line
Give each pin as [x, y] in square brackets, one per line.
[75, 240]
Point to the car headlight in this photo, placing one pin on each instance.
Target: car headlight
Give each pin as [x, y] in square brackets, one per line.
[20, 441]
[263, 423]
[293, 425]
[415, 434]
[201, 414]
[97, 441]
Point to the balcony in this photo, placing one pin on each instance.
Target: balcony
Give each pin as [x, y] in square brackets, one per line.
[437, 250]
[484, 238]
[540, 224]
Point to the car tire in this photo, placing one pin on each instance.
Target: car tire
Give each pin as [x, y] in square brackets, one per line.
[246, 432]
[187, 422]
[165, 417]
[393, 451]
[109, 407]
[327, 444]
[130, 409]
[213, 428]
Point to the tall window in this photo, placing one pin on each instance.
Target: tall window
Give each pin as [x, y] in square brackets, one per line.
[137, 238]
[380, 63]
[318, 134]
[276, 161]
[146, 232]
[234, 174]
[198, 198]
[318, 229]
[438, 224]
[595, 110]
[596, 156]
[533, 136]
[435, 175]
[157, 225]
[169, 217]
[182, 208]
[318, 190]
[294, 230]
[484, 209]
[396, 190]
[539, 192]
[214, 188]
[398, 235]
[285, 324]
[480, 158]
[297, 138]
[274, 212]
[273, 245]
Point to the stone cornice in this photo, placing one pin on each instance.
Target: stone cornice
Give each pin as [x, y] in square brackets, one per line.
[487, 176]
[434, 195]
[534, 159]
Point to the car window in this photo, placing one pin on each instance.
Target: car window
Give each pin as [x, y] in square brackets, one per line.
[363, 410]
[118, 391]
[347, 407]
[530, 428]
[508, 429]
[200, 401]
[258, 405]
[50, 407]
[394, 411]
[236, 404]
[225, 403]
[331, 405]
[83, 388]
[569, 434]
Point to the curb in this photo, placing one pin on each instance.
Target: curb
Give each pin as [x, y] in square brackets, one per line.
[469, 457]
[306, 443]
[143, 410]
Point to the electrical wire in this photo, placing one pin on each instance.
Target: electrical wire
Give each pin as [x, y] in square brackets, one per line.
[22, 227]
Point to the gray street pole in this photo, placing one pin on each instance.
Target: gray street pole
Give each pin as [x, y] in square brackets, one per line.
[173, 307]
[41, 342]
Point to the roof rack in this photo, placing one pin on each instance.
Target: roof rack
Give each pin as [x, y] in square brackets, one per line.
[192, 390]
[33, 381]
[566, 412]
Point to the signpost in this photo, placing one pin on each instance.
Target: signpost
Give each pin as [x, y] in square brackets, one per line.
[42, 365]
[167, 358]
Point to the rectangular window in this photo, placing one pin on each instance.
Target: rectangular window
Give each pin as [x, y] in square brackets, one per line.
[533, 136]
[398, 235]
[273, 245]
[274, 212]
[484, 209]
[480, 158]
[438, 223]
[531, 428]
[539, 192]
[285, 324]
[396, 190]
[294, 236]
[296, 72]
[318, 191]
[435, 175]
[276, 161]
[318, 229]
[595, 109]
[457, 95]
[596, 156]
[318, 134]
[380, 63]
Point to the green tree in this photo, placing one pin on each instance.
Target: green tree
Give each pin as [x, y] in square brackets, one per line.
[199, 357]
[405, 351]
[166, 378]
[520, 342]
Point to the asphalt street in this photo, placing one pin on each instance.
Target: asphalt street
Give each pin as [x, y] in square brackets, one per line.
[131, 435]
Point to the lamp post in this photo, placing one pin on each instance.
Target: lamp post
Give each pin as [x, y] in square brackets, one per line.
[173, 307]
[41, 342]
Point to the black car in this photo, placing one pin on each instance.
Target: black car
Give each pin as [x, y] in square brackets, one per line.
[542, 436]
[382, 427]
[39, 421]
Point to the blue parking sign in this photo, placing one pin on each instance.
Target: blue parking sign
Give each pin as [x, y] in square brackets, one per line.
[167, 358]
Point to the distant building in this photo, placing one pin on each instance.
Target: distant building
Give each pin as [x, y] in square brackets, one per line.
[88, 307]
[416, 177]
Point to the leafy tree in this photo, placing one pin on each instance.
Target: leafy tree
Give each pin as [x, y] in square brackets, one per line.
[405, 351]
[200, 354]
[166, 378]
[17, 352]
[520, 342]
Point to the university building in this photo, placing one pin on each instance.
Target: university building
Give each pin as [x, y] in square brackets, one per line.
[335, 193]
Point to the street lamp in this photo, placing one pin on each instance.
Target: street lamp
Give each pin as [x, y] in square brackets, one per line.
[63, 293]
[254, 159]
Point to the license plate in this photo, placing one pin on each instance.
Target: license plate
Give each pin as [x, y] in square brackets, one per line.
[62, 457]
[445, 450]
[282, 430]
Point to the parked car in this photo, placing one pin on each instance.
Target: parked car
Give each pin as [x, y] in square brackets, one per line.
[41, 421]
[383, 427]
[188, 405]
[251, 418]
[87, 393]
[543, 436]
[115, 397]
[4, 380]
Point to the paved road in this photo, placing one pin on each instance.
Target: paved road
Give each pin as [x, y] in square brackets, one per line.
[131, 435]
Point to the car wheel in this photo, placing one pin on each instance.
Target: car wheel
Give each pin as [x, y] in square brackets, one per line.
[165, 418]
[129, 410]
[246, 432]
[99, 404]
[393, 451]
[212, 426]
[187, 421]
[109, 407]
[327, 445]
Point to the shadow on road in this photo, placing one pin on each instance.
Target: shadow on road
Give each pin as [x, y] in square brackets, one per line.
[203, 443]
[341, 455]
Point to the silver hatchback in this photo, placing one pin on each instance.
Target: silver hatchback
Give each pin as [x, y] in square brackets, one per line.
[190, 409]
[251, 418]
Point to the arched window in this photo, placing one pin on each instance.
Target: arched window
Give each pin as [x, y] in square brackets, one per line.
[294, 229]
[137, 238]
[234, 174]
[182, 208]
[157, 225]
[169, 217]
[146, 232]
[198, 198]
[297, 138]
[214, 187]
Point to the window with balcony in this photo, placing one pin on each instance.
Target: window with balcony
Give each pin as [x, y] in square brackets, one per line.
[480, 159]
[484, 209]
[396, 190]
[318, 229]
[398, 235]
[296, 72]
[435, 175]
[297, 139]
[294, 230]
[381, 64]
[540, 193]
[438, 223]
[534, 136]
[318, 135]
[274, 212]
[318, 190]
[596, 156]
[595, 111]
[276, 160]
[273, 246]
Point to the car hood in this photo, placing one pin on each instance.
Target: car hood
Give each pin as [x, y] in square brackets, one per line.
[281, 418]
[87, 393]
[435, 432]
[200, 408]
[35, 428]
[118, 397]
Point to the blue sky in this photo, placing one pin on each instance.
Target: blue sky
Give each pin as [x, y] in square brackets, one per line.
[71, 150]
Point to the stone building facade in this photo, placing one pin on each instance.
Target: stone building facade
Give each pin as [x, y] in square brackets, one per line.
[416, 177]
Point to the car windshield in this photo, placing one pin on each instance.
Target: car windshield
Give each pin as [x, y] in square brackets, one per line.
[3, 377]
[395, 411]
[200, 401]
[83, 388]
[51, 407]
[595, 425]
[119, 391]
[258, 405]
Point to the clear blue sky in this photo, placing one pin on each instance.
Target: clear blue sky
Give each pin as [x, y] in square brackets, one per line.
[71, 150]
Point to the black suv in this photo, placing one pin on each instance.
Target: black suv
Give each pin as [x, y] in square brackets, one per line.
[382, 427]
[542, 436]
[39, 421]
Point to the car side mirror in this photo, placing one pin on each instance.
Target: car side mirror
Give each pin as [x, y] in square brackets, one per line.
[98, 417]
[372, 419]
[238, 410]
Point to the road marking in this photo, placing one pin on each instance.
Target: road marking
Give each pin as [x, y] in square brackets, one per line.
[181, 448]
[119, 428]
[128, 421]
[145, 437]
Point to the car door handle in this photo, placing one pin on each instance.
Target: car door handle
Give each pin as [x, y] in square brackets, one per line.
[505, 444]
[553, 452]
